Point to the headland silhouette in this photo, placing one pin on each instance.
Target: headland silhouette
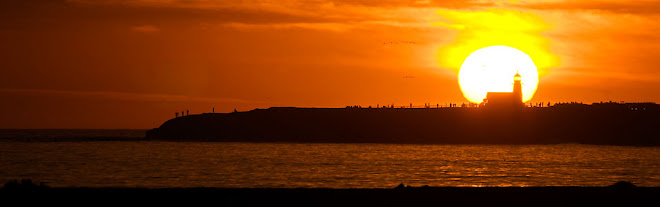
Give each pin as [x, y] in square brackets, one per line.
[606, 123]
[502, 118]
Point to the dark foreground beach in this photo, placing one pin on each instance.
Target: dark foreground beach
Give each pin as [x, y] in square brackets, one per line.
[622, 193]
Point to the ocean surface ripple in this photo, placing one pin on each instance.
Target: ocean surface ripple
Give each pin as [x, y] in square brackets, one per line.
[288, 165]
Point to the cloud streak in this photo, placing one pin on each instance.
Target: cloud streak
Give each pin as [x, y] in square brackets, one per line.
[145, 28]
[123, 96]
[630, 7]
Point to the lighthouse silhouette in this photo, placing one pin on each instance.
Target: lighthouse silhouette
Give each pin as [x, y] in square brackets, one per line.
[517, 88]
[506, 100]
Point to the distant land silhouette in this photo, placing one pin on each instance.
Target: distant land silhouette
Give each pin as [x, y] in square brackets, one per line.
[608, 123]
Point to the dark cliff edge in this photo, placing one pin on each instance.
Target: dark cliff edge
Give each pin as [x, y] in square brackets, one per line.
[601, 124]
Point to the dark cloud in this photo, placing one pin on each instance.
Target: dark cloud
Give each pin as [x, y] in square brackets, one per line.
[16, 14]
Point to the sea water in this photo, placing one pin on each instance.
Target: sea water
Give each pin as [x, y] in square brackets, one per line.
[156, 164]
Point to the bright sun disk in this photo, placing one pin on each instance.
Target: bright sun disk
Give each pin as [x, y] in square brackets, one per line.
[491, 69]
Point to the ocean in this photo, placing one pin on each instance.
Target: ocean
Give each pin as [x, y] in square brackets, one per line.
[117, 158]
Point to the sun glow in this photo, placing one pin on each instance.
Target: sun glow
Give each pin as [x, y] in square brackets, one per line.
[474, 30]
[491, 69]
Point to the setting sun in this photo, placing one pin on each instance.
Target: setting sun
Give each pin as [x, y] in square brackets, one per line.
[491, 69]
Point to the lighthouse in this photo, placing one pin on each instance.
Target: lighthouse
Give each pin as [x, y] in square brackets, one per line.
[517, 89]
[507, 100]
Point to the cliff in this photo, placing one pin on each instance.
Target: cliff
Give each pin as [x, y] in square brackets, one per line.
[610, 124]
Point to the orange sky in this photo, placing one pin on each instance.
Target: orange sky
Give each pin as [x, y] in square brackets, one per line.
[133, 63]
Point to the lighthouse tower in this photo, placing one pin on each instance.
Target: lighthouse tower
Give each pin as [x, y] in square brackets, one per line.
[517, 90]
